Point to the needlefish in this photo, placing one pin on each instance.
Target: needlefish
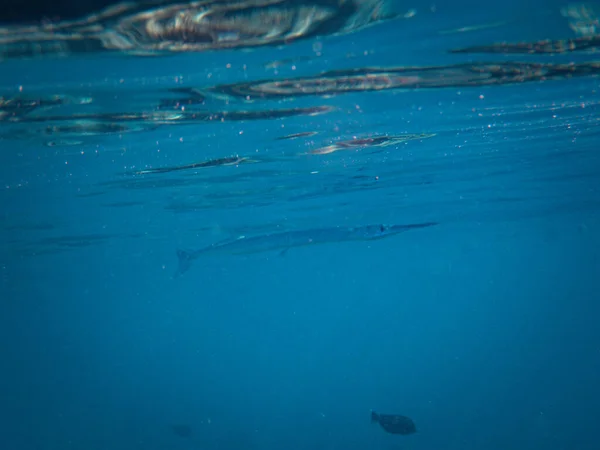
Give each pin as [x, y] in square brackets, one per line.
[283, 241]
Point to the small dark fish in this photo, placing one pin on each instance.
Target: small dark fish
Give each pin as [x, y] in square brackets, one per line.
[184, 431]
[394, 424]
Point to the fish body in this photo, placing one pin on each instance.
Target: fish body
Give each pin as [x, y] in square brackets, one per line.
[283, 241]
[394, 423]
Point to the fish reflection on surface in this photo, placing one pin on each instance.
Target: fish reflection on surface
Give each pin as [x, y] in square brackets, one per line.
[16, 107]
[394, 423]
[63, 143]
[192, 97]
[584, 18]
[144, 28]
[74, 129]
[470, 28]
[584, 43]
[297, 135]
[82, 125]
[228, 161]
[181, 117]
[378, 141]
[87, 129]
[428, 77]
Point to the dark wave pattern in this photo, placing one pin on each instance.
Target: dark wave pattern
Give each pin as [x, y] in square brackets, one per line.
[380, 79]
[147, 29]
[580, 44]
[294, 134]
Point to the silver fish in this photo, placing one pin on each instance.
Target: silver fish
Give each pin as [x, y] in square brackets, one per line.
[283, 241]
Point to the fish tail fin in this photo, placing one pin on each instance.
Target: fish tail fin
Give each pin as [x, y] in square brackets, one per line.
[184, 262]
[374, 417]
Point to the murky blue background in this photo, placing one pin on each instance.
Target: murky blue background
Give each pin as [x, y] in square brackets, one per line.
[483, 329]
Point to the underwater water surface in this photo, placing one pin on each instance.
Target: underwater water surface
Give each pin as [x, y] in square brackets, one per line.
[246, 225]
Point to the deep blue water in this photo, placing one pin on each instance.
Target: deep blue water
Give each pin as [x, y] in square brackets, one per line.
[483, 329]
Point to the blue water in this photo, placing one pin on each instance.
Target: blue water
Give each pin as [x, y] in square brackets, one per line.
[482, 329]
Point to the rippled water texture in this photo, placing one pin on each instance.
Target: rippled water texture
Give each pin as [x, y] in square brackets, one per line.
[364, 106]
[256, 224]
